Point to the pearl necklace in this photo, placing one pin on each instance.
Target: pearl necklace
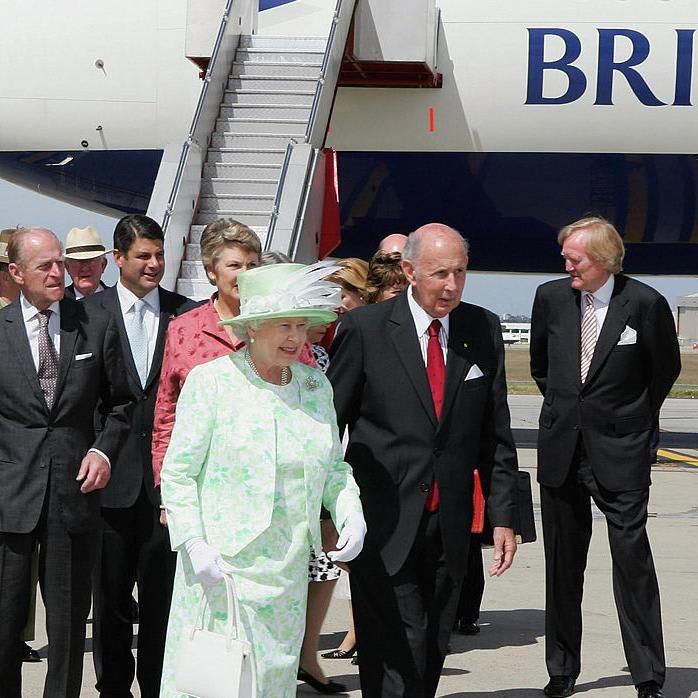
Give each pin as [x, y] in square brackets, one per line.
[285, 373]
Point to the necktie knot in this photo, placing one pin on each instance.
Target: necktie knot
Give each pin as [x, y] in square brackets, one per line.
[434, 328]
[43, 317]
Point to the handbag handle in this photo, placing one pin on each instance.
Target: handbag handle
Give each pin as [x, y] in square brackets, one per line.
[232, 631]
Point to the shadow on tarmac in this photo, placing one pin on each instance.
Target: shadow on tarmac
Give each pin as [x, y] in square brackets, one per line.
[510, 628]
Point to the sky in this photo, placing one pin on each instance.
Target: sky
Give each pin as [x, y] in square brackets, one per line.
[501, 293]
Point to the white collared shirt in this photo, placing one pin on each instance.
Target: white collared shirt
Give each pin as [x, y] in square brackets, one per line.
[151, 317]
[602, 297]
[422, 320]
[31, 324]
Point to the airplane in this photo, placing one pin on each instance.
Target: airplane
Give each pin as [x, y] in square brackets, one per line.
[505, 120]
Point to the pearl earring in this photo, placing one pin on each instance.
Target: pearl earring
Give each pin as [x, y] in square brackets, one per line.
[251, 340]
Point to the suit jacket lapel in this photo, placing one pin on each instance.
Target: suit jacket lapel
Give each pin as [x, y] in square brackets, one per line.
[167, 309]
[17, 335]
[614, 324]
[69, 334]
[457, 362]
[110, 302]
[404, 336]
[571, 326]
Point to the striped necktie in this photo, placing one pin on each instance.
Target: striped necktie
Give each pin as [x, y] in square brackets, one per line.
[588, 335]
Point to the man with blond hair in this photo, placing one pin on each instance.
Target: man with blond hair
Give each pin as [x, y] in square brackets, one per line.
[604, 354]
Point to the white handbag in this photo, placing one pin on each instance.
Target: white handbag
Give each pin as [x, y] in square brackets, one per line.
[216, 665]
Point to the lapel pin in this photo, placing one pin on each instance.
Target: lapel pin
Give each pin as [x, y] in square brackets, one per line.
[311, 383]
[465, 345]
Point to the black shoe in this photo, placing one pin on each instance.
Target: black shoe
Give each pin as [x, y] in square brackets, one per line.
[29, 654]
[329, 687]
[466, 627]
[339, 654]
[649, 689]
[560, 687]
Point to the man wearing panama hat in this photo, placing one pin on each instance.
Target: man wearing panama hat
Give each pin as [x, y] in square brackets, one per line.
[85, 262]
[8, 288]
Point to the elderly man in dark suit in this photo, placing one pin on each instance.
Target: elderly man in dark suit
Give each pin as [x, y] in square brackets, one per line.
[419, 382]
[135, 543]
[59, 359]
[604, 354]
[85, 262]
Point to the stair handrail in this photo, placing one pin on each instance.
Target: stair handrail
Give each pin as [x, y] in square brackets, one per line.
[211, 94]
[329, 72]
[320, 110]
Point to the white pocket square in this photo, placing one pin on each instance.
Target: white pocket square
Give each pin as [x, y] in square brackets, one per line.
[474, 372]
[81, 357]
[628, 336]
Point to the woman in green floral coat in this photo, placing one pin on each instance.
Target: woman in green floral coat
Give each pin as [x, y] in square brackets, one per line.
[254, 454]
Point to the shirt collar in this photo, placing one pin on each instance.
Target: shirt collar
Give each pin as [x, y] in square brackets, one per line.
[29, 312]
[421, 318]
[603, 294]
[127, 299]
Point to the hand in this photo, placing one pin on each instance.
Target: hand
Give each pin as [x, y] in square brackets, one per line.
[163, 518]
[206, 561]
[504, 550]
[351, 539]
[94, 471]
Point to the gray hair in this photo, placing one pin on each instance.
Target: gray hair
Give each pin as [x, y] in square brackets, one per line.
[274, 257]
[16, 252]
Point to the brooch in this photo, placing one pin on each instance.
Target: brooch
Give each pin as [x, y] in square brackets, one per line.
[311, 383]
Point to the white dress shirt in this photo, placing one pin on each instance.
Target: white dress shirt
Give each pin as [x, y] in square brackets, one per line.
[32, 326]
[602, 298]
[422, 320]
[151, 317]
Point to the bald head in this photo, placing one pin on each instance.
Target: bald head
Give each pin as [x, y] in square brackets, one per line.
[393, 243]
[435, 260]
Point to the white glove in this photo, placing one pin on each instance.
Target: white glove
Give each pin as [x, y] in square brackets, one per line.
[351, 539]
[207, 563]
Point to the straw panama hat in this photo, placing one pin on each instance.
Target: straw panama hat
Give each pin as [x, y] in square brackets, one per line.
[84, 243]
[5, 237]
[286, 290]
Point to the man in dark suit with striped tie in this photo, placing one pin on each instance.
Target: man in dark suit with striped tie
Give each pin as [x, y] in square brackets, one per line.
[604, 354]
[59, 360]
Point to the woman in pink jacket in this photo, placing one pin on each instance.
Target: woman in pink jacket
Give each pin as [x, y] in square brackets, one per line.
[227, 248]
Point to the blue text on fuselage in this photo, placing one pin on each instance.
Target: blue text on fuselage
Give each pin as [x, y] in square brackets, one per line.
[607, 67]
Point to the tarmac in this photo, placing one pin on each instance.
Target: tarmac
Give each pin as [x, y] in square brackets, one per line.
[506, 660]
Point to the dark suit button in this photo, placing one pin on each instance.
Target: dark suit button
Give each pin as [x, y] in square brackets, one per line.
[423, 486]
[49, 428]
[145, 397]
[143, 435]
[576, 427]
[437, 452]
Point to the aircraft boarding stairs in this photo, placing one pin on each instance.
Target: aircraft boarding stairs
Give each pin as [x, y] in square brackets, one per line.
[267, 103]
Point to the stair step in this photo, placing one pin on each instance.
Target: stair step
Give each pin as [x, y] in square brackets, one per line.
[267, 156]
[249, 140]
[274, 55]
[276, 97]
[227, 202]
[265, 111]
[271, 83]
[196, 230]
[289, 127]
[283, 43]
[216, 186]
[255, 219]
[241, 170]
[192, 270]
[196, 289]
[276, 68]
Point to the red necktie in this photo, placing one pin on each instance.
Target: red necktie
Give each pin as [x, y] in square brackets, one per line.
[436, 373]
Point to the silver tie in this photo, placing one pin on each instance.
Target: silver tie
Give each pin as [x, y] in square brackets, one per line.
[588, 335]
[48, 360]
[138, 339]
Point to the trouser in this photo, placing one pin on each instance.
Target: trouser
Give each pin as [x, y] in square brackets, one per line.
[65, 562]
[403, 621]
[567, 520]
[135, 550]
